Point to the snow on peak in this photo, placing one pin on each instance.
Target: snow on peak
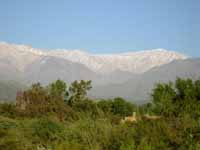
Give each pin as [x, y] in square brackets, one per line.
[135, 62]
[22, 48]
[74, 52]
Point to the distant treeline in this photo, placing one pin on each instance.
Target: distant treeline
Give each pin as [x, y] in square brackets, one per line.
[62, 117]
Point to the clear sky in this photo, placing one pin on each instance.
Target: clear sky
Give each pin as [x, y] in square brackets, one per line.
[103, 26]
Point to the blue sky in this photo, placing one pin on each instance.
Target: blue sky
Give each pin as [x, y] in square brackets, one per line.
[103, 26]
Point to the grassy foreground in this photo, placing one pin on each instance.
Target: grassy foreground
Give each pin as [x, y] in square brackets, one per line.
[57, 117]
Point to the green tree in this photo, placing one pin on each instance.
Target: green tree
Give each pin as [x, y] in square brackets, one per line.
[105, 105]
[197, 89]
[163, 98]
[185, 89]
[121, 107]
[78, 91]
[58, 89]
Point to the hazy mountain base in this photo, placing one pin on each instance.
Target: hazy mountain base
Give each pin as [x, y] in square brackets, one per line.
[137, 89]
[140, 86]
[9, 89]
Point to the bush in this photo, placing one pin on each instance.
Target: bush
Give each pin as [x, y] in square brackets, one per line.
[47, 130]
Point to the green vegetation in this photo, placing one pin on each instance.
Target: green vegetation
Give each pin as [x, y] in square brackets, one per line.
[58, 117]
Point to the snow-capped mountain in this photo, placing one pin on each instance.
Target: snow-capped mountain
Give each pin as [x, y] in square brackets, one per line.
[134, 62]
[18, 55]
[139, 87]
[129, 75]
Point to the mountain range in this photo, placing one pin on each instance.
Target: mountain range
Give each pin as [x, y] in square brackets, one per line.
[130, 75]
[139, 87]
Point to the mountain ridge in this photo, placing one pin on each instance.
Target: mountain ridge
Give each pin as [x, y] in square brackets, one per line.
[139, 87]
[134, 62]
[125, 74]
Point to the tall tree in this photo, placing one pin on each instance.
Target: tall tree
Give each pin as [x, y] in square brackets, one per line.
[58, 89]
[78, 90]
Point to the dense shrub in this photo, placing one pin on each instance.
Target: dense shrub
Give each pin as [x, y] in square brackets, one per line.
[47, 130]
